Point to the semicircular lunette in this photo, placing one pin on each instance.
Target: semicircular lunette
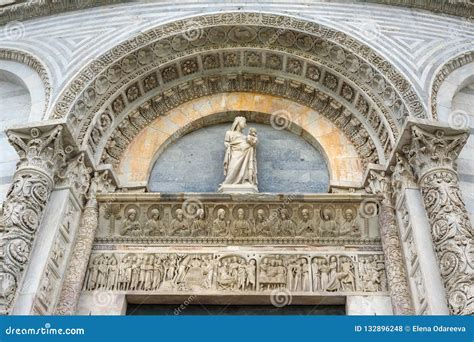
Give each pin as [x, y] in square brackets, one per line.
[135, 164]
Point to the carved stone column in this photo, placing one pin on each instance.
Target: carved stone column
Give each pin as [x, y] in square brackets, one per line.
[77, 267]
[432, 156]
[379, 184]
[428, 293]
[40, 155]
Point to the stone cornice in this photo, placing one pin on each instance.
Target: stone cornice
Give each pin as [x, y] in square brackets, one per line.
[24, 9]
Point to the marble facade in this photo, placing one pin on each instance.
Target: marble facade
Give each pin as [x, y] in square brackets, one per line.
[80, 232]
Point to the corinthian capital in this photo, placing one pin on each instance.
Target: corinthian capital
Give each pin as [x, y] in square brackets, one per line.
[428, 151]
[40, 150]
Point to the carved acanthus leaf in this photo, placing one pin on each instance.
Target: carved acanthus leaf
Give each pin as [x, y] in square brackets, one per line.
[43, 150]
[429, 151]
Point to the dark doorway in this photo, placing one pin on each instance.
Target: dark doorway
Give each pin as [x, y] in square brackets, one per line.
[231, 310]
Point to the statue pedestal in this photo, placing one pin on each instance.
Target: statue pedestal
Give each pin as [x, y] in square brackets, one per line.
[238, 188]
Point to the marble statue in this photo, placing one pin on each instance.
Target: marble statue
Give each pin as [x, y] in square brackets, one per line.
[240, 162]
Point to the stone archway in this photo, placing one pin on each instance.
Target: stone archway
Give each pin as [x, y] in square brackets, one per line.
[118, 95]
[263, 53]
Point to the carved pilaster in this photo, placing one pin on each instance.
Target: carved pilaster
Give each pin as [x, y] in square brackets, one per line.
[433, 156]
[379, 184]
[40, 155]
[85, 236]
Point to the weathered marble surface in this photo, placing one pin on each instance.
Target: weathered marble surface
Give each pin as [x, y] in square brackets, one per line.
[328, 219]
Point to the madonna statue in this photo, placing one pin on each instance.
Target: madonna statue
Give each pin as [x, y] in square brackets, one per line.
[240, 162]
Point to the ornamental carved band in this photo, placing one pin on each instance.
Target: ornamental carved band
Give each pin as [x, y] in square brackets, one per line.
[25, 201]
[328, 273]
[395, 267]
[76, 271]
[432, 156]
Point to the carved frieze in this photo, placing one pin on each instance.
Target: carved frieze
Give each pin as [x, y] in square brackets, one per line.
[221, 220]
[251, 272]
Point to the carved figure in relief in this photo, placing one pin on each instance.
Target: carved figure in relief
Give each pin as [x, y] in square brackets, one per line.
[321, 273]
[315, 265]
[306, 226]
[192, 273]
[123, 272]
[370, 273]
[331, 274]
[241, 226]
[298, 275]
[350, 226]
[237, 274]
[273, 274]
[111, 273]
[328, 223]
[262, 225]
[134, 273]
[240, 163]
[220, 227]
[341, 275]
[195, 276]
[57, 253]
[225, 279]
[158, 272]
[179, 225]
[92, 271]
[154, 226]
[251, 272]
[286, 226]
[131, 225]
[46, 289]
[208, 264]
[142, 261]
[199, 226]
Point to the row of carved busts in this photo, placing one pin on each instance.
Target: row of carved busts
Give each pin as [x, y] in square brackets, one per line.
[254, 272]
[175, 220]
